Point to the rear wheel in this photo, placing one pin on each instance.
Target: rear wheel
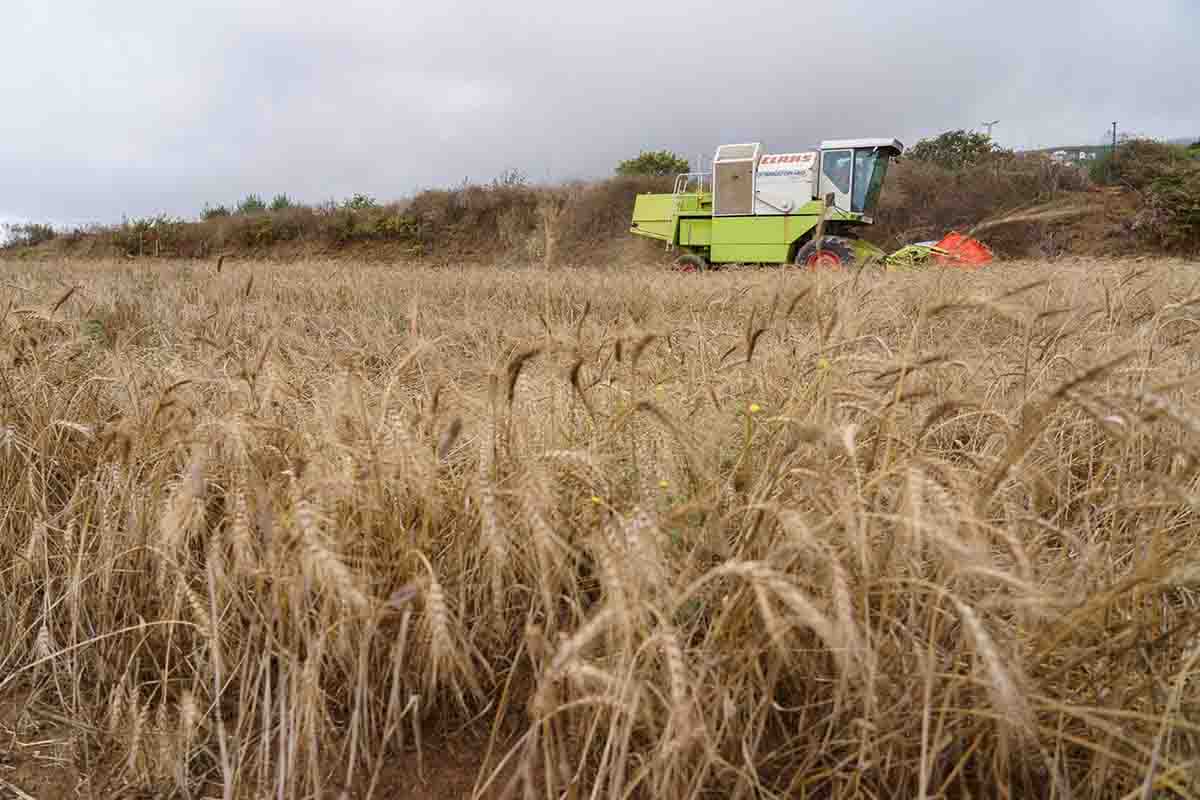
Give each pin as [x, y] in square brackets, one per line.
[836, 253]
[691, 262]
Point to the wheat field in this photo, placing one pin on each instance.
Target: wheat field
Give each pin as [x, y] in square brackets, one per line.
[334, 530]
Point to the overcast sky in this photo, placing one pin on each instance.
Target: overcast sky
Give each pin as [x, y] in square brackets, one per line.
[137, 107]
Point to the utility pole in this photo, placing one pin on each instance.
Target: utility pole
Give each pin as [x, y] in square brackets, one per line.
[1112, 160]
[989, 125]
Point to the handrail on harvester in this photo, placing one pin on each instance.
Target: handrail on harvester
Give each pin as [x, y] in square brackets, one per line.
[682, 181]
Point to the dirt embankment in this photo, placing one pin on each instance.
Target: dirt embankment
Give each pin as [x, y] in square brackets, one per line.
[1021, 210]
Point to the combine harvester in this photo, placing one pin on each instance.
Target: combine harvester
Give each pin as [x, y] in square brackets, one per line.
[783, 208]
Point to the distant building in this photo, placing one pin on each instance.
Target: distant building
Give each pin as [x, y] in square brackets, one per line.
[1072, 156]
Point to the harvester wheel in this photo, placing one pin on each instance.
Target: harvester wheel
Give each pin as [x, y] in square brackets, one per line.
[836, 253]
[691, 262]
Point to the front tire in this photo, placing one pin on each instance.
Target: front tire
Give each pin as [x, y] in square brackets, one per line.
[837, 254]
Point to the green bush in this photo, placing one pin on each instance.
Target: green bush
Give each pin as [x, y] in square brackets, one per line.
[214, 212]
[157, 235]
[251, 205]
[398, 226]
[281, 202]
[258, 232]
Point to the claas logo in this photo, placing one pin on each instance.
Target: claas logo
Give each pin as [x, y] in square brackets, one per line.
[787, 158]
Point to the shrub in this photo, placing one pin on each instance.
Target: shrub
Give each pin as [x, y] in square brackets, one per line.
[403, 227]
[282, 202]
[1137, 163]
[251, 205]
[469, 218]
[1171, 217]
[213, 212]
[598, 213]
[158, 235]
[27, 234]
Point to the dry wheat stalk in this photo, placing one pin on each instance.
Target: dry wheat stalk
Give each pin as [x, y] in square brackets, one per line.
[770, 622]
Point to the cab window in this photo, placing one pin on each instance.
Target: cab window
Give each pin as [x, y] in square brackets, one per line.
[864, 167]
[835, 165]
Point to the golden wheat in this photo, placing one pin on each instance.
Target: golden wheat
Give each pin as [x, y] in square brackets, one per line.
[282, 530]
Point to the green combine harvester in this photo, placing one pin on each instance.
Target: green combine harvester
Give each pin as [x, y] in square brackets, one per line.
[763, 208]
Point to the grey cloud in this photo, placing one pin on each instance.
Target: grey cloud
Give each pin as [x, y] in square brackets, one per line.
[137, 107]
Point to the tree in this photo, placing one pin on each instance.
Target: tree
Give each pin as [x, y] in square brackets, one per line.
[657, 163]
[955, 149]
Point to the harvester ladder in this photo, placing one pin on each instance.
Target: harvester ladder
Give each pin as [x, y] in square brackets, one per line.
[681, 185]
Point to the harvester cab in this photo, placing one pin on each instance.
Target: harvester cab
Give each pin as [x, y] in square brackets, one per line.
[757, 207]
[853, 170]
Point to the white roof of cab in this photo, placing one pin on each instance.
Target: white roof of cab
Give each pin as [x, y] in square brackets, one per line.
[847, 144]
